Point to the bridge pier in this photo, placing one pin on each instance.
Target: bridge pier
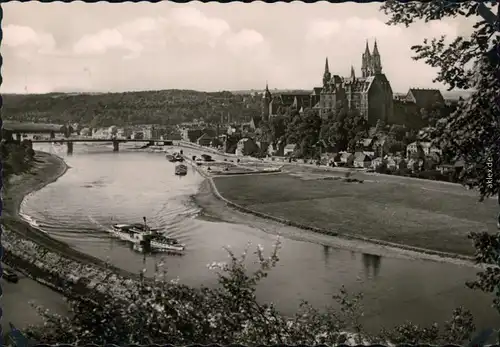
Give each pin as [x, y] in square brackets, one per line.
[69, 145]
[116, 146]
[18, 137]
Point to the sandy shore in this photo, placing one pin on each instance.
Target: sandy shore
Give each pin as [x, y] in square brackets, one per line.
[18, 297]
[48, 169]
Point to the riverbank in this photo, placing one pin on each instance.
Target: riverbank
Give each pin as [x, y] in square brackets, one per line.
[17, 297]
[20, 239]
[412, 216]
[47, 169]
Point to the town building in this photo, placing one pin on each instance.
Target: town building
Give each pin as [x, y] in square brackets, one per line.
[425, 98]
[361, 160]
[138, 135]
[410, 108]
[344, 159]
[427, 148]
[246, 146]
[205, 140]
[278, 104]
[289, 149]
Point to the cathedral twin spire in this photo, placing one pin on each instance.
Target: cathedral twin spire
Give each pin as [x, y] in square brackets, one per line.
[370, 65]
[375, 48]
[370, 62]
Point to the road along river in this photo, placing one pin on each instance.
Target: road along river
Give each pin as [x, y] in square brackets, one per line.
[102, 188]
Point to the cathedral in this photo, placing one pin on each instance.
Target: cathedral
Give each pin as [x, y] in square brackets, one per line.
[370, 94]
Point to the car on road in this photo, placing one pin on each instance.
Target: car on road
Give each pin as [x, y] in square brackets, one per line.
[10, 275]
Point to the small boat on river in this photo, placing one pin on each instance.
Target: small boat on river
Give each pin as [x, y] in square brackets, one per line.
[141, 234]
[157, 149]
[176, 157]
[181, 169]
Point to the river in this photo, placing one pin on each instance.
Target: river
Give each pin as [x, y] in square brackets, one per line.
[102, 188]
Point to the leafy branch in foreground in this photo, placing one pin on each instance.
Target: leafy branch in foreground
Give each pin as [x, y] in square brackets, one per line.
[160, 311]
[472, 132]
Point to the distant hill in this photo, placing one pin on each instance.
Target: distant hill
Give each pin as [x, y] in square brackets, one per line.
[106, 109]
[455, 95]
[275, 91]
[144, 107]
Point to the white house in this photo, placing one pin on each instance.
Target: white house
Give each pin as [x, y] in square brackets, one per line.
[289, 149]
[344, 159]
[101, 134]
[138, 135]
[362, 160]
[427, 148]
[376, 162]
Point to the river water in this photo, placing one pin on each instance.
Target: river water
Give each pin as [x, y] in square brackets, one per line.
[102, 188]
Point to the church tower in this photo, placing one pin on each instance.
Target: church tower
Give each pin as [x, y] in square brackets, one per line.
[266, 102]
[327, 76]
[366, 62]
[376, 62]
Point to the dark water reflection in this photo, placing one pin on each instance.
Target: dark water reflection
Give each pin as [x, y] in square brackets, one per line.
[104, 187]
[371, 263]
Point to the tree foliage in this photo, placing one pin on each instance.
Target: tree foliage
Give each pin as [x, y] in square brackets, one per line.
[343, 130]
[162, 312]
[397, 146]
[16, 157]
[146, 107]
[278, 128]
[125, 311]
[472, 131]
[432, 115]
[304, 131]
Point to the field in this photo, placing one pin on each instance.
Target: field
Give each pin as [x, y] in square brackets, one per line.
[417, 213]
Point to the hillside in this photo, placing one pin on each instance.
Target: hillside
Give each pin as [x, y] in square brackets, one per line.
[148, 107]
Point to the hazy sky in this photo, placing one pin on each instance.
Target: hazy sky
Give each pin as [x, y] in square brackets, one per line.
[139, 46]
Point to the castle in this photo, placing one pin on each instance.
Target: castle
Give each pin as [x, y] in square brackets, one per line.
[370, 94]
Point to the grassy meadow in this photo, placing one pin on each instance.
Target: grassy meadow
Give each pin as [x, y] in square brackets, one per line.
[418, 213]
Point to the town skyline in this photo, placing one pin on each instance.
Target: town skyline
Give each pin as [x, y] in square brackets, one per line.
[205, 47]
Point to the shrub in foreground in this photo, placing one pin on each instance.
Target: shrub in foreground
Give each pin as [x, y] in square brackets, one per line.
[166, 312]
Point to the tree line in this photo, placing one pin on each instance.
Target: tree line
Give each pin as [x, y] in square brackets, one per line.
[129, 108]
[17, 157]
[339, 130]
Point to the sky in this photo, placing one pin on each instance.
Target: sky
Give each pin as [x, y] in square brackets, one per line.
[103, 47]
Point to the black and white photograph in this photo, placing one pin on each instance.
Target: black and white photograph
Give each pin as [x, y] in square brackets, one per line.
[250, 173]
